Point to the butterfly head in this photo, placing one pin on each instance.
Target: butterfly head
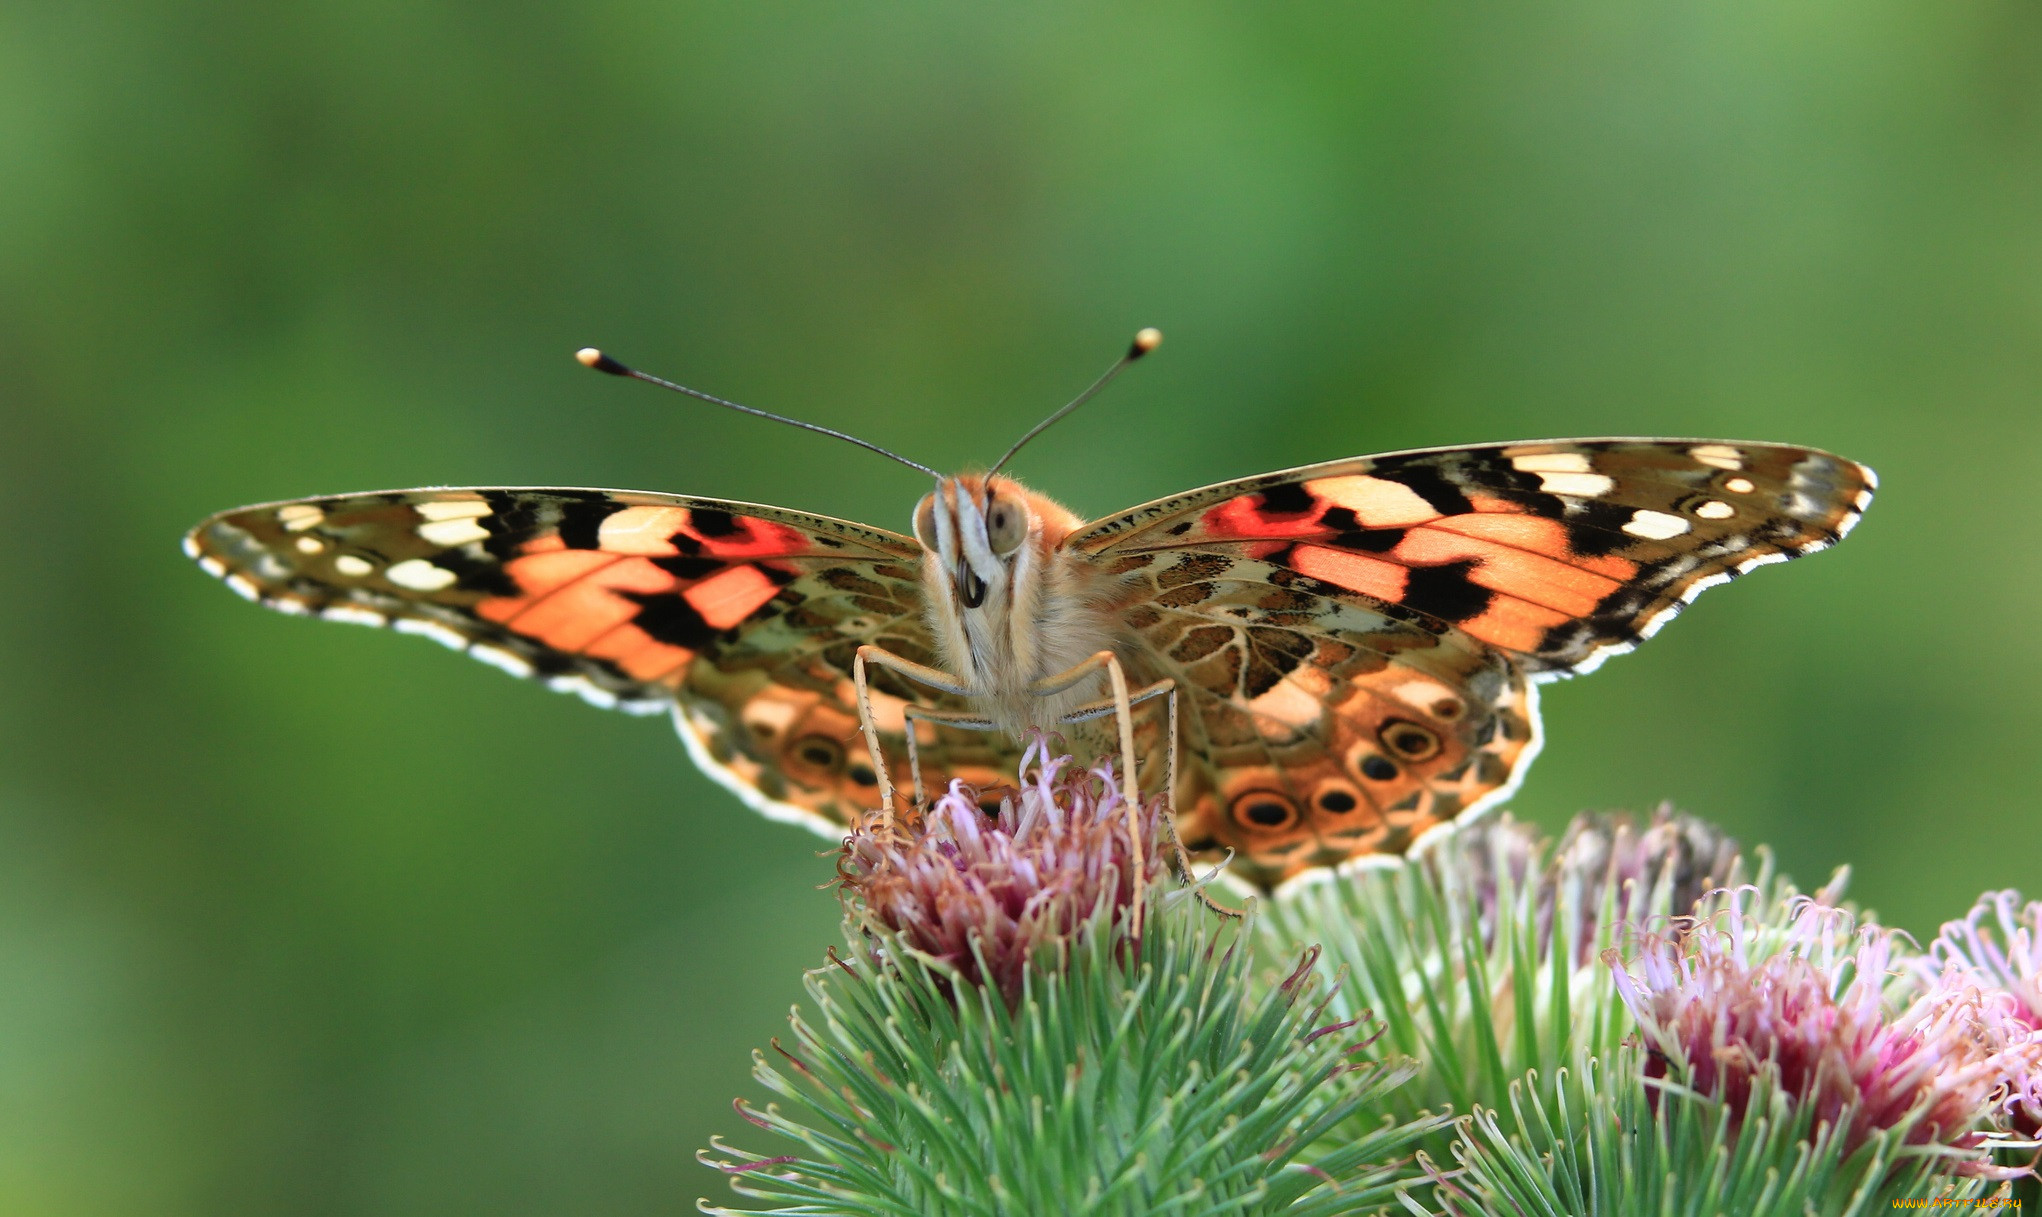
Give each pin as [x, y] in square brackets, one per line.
[992, 568]
[978, 534]
[986, 532]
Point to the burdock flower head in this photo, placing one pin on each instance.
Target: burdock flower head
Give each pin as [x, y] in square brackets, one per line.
[1608, 870]
[1815, 1021]
[1998, 948]
[1671, 860]
[987, 894]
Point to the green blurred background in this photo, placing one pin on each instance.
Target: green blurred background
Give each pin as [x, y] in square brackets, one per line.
[297, 918]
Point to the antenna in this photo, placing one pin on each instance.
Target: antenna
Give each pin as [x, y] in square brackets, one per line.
[1144, 342]
[590, 357]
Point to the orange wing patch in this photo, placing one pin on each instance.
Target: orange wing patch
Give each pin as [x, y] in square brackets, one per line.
[1513, 624]
[1520, 573]
[731, 595]
[1508, 524]
[572, 597]
[641, 656]
[1370, 576]
[647, 600]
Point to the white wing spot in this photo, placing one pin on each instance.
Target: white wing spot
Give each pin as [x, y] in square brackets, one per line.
[297, 517]
[1717, 456]
[244, 587]
[422, 576]
[353, 567]
[1580, 485]
[214, 567]
[497, 657]
[589, 693]
[354, 615]
[1569, 473]
[1289, 704]
[452, 509]
[453, 532]
[1551, 462]
[1655, 525]
[1428, 697]
[1739, 486]
[769, 717]
[1715, 509]
[310, 545]
[444, 635]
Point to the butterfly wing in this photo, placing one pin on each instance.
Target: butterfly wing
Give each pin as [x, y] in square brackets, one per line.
[1359, 638]
[739, 618]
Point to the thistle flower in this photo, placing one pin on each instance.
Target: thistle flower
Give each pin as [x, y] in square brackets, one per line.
[1662, 868]
[1997, 948]
[985, 896]
[1813, 1023]
[1004, 1041]
[1608, 870]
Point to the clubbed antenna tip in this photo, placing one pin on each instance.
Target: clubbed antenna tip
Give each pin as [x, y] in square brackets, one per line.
[590, 357]
[1145, 340]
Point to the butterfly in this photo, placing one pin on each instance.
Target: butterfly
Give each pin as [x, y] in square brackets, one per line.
[1352, 650]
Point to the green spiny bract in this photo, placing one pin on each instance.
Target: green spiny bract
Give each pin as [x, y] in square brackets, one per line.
[1628, 1021]
[1481, 959]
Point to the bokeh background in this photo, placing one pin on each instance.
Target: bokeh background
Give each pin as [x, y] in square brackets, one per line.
[297, 918]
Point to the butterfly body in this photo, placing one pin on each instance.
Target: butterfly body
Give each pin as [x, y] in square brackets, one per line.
[1355, 645]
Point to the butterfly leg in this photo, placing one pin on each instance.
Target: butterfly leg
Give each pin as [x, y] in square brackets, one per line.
[935, 678]
[1106, 706]
[1123, 715]
[949, 718]
[1184, 864]
[1185, 867]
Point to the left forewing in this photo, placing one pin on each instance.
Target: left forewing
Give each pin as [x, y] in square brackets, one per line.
[611, 594]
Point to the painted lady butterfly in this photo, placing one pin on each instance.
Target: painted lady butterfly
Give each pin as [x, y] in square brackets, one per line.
[1357, 644]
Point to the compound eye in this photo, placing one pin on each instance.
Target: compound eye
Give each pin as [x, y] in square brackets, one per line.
[1006, 523]
[925, 522]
